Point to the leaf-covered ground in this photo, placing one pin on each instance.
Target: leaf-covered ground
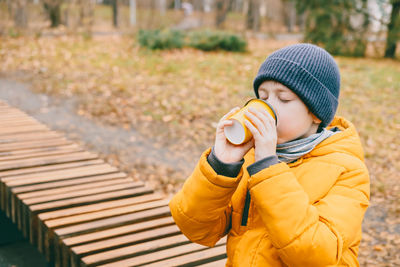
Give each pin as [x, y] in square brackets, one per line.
[177, 97]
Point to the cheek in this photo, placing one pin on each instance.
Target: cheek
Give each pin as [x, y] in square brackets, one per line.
[292, 121]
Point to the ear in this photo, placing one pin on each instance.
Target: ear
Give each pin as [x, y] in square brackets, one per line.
[315, 119]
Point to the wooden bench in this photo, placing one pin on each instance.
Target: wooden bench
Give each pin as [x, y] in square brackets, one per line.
[79, 210]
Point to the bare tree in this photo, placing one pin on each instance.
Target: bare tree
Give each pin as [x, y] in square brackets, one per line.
[114, 4]
[53, 10]
[19, 12]
[289, 14]
[87, 15]
[237, 5]
[253, 15]
[222, 7]
[162, 7]
[393, 35]
[132, 12]
[177, 4]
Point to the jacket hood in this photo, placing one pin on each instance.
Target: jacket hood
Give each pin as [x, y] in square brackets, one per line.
[347, 141]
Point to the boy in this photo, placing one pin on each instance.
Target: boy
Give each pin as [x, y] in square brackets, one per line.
[296, 194]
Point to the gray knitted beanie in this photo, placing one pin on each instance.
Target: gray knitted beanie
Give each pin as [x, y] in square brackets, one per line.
[310, 72]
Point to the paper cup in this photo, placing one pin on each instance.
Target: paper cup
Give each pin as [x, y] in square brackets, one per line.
[238, 133]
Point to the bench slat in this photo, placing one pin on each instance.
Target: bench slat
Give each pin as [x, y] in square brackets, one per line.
[38, 152]
[126, 229]
[159, 255]
[60, 166]
[195, 258]
[134, 250]
[46, 160]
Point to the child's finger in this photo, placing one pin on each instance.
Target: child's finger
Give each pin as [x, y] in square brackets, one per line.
[223, 124]
[252, 129]
[230, 113]
[266, 119]
[257, 120]
[268, 115]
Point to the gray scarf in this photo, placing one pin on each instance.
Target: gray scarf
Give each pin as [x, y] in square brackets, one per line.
[292, 150]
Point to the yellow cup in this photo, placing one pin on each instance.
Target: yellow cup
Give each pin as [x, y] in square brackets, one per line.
[238, 133]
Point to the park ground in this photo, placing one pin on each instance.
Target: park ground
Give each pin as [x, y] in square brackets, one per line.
[152, 113]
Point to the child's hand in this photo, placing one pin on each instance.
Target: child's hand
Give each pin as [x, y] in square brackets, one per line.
[223, 149]
[264, 132]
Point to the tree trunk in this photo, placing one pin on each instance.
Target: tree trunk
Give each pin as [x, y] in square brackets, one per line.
[115, 13]
[132, 12]
[393, 30]
[162, 7]
[222, 8]
[19, 11]
[237, 5]
[289, 13]
[177, 4]
[253, 15]
[53, 9]
[87, 11]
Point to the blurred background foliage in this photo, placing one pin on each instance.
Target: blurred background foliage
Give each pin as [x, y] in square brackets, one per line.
[344, 27]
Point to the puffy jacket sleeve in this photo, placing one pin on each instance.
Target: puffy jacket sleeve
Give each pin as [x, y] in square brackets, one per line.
[311, 234]
[201, 209]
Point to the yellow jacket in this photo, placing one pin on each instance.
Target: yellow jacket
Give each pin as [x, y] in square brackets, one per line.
[306, 213]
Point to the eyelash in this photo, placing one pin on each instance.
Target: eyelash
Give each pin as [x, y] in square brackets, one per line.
[283, 101]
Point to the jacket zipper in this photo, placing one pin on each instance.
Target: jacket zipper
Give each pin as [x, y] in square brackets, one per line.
[246, 208]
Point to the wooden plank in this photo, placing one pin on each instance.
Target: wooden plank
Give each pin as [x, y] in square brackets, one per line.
[105, 213]
[18, 123]
[7, 114]
[114, 221]
[74, 189]
[44, 207]
[34, 144]
[29, 151]
[39, 152]
[39, 128]
[30, 212]
[70, 182]
[217, 263]
[59, 166]
[160, 255]
[137, 249]
[37, 230]
[117, 231]
[46, 216]
[46, 160]
[124, 240]
[15, 138]
[57, 175]
[63, 246]
[24, 222]
[10, 182]
[79, 193]
[46, 234]
[36, 170]
[193, 259]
